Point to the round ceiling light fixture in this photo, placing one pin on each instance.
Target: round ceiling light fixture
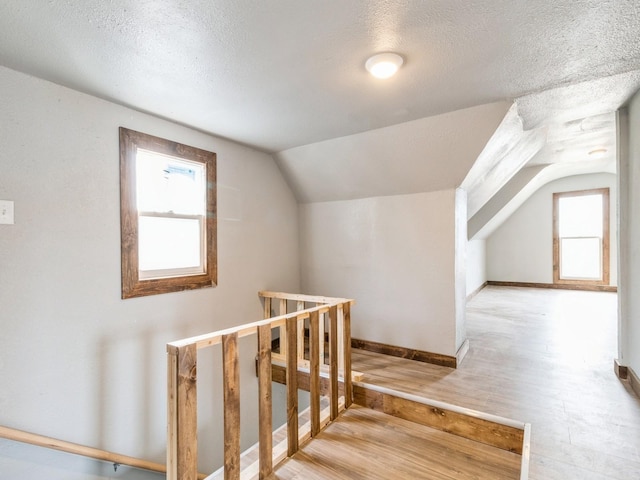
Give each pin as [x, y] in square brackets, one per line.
[384, 65]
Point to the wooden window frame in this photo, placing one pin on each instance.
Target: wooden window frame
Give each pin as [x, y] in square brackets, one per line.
[132, 285]
[605, 237]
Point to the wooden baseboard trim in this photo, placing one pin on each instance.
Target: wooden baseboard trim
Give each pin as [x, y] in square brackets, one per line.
[634, 381]
[408, 353]
[626, 373]
[622, 372]
[476, 291]
[556, 286]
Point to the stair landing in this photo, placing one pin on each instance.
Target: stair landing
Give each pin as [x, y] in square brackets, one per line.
[366, 444]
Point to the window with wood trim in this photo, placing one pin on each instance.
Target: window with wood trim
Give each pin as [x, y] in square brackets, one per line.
[167, 215]
[581, 237]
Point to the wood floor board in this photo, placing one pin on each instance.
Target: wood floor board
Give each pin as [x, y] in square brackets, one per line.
[613, 440]
[544, 357]
[556, 469]
[589, 459]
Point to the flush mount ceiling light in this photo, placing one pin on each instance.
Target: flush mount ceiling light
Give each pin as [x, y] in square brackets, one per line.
[384, 65]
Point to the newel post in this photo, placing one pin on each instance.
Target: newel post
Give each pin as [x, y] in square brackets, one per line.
[182, 443]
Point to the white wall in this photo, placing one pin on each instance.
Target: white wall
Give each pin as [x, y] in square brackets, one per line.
[521, 249]
[460, 266]
[629, 301]
[76, 361]
[396, 256]
[476, 265]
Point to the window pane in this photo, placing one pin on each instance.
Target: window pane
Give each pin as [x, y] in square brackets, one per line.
[168, 215]
[580, 258]
[580, 216]
[169, 184]
[169, 243]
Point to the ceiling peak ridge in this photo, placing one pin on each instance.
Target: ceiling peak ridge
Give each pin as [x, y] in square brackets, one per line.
[632, 67]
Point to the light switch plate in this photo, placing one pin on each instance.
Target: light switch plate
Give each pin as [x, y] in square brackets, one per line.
[6, 212]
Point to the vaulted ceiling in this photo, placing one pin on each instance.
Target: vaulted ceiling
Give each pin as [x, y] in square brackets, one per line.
[288, 77]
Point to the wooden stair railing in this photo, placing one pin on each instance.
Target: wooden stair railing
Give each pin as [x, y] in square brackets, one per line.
[182, 452]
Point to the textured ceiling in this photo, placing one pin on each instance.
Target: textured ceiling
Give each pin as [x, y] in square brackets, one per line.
[281, 74]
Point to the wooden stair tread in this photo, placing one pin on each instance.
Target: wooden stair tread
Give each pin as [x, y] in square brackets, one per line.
[366, 444]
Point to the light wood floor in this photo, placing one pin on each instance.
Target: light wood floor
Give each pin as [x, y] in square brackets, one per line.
[369, 445]
[543, 357]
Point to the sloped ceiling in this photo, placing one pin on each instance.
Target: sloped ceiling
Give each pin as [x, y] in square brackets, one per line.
[579, 126]
[522, 186]
[276, 75]
[282, 75]
[433, 153]
[506, 152]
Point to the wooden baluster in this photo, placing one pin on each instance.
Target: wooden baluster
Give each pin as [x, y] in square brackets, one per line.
[333, 360]
[340, 332]
[267, 307]
[346, 335]
[231, 395]
[314, 372]
[322, 336]
[299, 307]
[185, 457]
[265, 421]
[172, 414]
[292, 386]
[283, 336]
